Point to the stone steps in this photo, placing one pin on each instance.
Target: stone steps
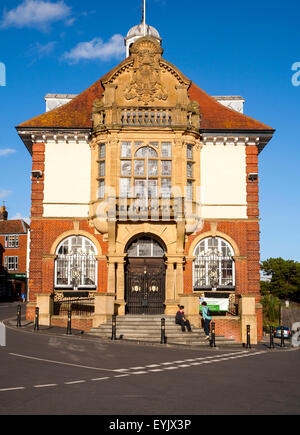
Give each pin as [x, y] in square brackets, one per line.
[148, 328]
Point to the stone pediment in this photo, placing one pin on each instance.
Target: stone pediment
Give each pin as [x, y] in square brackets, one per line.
[145, 79]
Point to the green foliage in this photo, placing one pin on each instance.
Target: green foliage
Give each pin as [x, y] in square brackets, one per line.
[285, 278]
[271, 306]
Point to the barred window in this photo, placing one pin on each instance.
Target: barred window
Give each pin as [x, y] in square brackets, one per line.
[76, 264]
[214, 265]
[11, 263]
[11, 241]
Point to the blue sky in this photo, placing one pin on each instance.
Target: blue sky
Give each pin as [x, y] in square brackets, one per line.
[227, 48]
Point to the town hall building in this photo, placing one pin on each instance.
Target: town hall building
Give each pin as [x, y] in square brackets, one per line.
[144, 197]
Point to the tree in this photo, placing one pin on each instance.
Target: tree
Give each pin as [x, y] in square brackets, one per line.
[285, 278]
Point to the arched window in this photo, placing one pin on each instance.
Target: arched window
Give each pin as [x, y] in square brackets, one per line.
[148, 174]
[76, 264]
[145, 247]
[213, 265]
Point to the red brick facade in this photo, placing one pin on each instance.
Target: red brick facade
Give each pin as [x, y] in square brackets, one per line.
[243, 232]
[17, 276]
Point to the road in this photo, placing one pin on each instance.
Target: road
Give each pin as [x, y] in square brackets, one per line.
[48, 372]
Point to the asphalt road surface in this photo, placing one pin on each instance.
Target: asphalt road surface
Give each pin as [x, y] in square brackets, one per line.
[48, 372]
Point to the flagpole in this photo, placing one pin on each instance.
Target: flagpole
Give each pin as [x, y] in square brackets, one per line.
[144, 15]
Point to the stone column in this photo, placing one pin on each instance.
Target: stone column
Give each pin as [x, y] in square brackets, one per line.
[120, 301]
[248, 317]
[111, 277]
[104, 308]
[171, 305]
[44, 302]
[179, 278]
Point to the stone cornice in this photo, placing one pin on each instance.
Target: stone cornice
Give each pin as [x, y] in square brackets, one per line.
[42, 135]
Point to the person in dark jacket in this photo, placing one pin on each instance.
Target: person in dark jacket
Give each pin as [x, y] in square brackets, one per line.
[181, 320]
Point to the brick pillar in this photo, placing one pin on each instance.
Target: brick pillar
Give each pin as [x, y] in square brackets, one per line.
[253, 254]
[36, 238]
[48, 274]
[188, 276]
[102, 276]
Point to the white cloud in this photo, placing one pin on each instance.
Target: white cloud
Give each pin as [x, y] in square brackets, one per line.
[4, 193]
[41, 50]
[6, 151]
[97, 49]
[36, 13]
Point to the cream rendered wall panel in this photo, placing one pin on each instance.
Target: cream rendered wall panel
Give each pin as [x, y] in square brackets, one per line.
[66, 210]
[224, 212]
[67, 173]
[223, 181]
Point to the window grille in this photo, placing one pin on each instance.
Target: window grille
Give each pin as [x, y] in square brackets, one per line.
[76, 264]
[214, 265]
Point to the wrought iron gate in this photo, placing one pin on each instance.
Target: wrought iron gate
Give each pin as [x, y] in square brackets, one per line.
[145, 286]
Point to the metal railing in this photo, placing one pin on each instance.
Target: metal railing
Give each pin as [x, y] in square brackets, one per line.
[78, 306]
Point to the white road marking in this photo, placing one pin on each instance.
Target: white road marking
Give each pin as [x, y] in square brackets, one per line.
[198, 361]
[12, 389]
[61, 362]
[45, 385]
[100, 379]
[221, 355]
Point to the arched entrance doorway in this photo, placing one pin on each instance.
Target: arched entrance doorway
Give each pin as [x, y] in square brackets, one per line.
[145, 276]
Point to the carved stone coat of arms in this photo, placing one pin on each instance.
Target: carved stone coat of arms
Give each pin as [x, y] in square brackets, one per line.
[146, 85]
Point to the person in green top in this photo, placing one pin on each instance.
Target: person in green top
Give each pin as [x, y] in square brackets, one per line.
[207, 319]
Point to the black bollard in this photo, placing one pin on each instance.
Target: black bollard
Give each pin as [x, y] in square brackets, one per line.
[282, 337]
[213, 335]
[69, 330]
[271, 337]
[114, 327]
[19, 308]
[248, 345]
[163, 331]
[36, 319]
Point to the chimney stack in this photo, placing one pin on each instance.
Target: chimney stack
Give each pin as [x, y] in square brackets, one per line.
[3, 214]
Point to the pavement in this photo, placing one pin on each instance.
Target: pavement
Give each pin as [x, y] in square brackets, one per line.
[28, 326]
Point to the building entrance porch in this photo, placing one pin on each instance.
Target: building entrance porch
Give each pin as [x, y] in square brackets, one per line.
[145, 286]
[145, 273]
